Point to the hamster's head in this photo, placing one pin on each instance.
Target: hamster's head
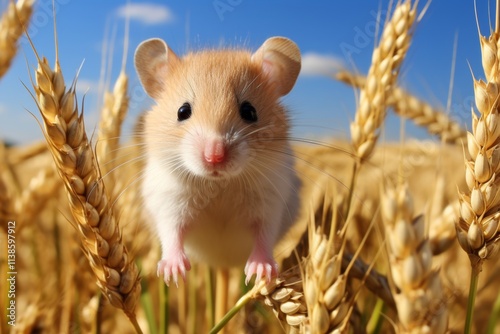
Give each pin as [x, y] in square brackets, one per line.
[217, 112]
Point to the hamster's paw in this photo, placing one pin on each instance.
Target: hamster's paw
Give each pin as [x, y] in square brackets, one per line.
[260, 266]
[172, 266]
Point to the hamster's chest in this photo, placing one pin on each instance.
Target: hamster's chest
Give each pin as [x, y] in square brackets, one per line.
[221, 231]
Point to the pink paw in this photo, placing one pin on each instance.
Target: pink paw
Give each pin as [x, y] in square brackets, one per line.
[172, 266]
[260, 267]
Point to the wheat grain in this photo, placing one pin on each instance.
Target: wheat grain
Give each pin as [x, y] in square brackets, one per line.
[436, 121]
[12, 25]
[386, 60]
[285, 296]
[116, 273]
[417, 288]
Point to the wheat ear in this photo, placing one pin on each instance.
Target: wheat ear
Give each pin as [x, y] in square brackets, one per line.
[33, 199]
[113, 113]
[386, 60]
[441, 219]
[329, 303]
[116, 273]
[478, 226]
[421, 113]
[479, 208]
[417, 288]
[12, 25]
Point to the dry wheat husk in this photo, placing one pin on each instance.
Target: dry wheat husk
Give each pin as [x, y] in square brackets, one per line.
[12, 25]
[436, 121]
[386, 61]
[285, 296]
[116, 273]
[417, 288]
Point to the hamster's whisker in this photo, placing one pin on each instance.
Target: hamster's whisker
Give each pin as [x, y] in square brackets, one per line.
[137, 177]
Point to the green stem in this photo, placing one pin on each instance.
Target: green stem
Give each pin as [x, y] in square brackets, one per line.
[476, 263]
[355, 170]
[209, 291]
[232, 312]
[495, 315]
[163, 326]
[374, 325]
[147, 306]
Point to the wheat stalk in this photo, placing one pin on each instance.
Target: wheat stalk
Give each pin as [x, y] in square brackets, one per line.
[421, 113]
[417, 288]
[386, 60]
[12, 25]
[116, 273]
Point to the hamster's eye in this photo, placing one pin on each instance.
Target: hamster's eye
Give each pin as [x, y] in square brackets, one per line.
[184, 112]
[248, 112]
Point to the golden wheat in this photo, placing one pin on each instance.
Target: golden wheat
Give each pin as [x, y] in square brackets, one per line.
[417, 288]
[386, 60]
[477, 228]
[41, 188]
[113, 114]
[420, 112]
[116, 273]
[12, 25]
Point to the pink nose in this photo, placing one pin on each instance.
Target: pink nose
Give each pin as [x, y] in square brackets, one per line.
[215, 151]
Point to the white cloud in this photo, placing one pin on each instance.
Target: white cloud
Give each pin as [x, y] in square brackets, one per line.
[315, 64]
[86, 86]
[146, 13]
[3, 109]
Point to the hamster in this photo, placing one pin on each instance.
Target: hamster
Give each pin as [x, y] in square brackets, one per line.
[219, 182]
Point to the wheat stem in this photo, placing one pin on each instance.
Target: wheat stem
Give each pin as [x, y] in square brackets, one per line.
[233, 311]
[474, 279]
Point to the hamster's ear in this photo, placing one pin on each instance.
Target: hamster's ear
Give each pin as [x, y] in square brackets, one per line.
[152, 60]
[280, 61]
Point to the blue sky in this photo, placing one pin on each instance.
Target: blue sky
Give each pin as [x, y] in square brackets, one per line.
[324, 30]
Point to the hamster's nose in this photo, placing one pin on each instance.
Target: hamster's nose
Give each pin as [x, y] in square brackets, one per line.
[215, 151]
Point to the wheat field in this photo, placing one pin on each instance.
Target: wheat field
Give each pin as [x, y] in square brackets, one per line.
[391, 237]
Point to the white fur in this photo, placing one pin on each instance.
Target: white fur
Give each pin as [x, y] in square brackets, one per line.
[218, 215]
